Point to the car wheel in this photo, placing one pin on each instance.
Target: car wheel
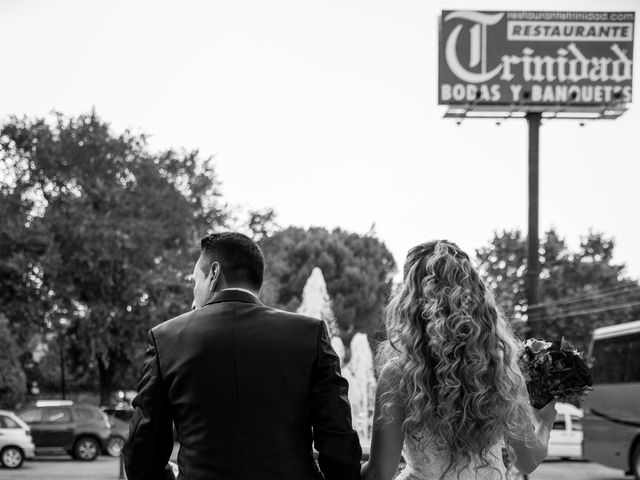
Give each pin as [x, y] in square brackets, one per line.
[11, 457]
[86, 449]
[635, 462]
[114, 446]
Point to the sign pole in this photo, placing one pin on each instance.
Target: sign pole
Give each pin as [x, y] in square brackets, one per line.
[533, 264]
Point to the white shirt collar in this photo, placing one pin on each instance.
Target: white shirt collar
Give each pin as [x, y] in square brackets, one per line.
[240, 290]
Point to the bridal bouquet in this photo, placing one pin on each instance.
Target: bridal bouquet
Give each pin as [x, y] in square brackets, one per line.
[553, 370]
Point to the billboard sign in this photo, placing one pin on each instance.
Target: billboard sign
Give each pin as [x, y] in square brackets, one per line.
[541, 61]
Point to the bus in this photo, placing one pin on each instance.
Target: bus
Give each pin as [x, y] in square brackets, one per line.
[611, 420]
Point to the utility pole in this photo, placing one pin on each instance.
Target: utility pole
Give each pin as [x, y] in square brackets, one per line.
[533, 264]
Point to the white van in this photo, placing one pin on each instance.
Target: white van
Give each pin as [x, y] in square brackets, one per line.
[566, 437]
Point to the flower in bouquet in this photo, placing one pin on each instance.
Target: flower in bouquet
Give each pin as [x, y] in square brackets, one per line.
[553, 370]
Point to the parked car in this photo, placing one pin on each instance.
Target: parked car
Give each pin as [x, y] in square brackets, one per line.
[57, 426]
[119, 418]
[565, 440]
[16, 443]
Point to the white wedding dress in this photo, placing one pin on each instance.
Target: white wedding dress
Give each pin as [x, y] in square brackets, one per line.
[424, 462]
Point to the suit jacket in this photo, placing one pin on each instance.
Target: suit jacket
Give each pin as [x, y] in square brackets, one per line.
[249, 388]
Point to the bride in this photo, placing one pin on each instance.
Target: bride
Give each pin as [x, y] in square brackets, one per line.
[451, 395]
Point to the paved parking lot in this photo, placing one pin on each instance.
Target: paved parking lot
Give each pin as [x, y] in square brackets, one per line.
[107, 468]
[576, 470]
[63, 467]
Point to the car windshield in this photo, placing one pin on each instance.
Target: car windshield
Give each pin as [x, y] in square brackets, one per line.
[559, 423]
[8, 422]
[576, 423]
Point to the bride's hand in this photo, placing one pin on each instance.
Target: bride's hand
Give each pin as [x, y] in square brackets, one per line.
[544, 419]
[530, 454]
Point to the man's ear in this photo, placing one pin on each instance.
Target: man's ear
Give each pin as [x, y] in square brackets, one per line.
[214, 275]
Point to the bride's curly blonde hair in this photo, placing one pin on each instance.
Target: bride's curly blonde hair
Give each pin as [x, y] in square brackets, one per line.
[455, 358]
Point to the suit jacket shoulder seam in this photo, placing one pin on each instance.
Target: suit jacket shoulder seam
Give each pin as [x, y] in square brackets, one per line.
[155, 346]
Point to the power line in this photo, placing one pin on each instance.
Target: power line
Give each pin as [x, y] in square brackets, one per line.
[606, 299]
[597, 294]
[601, 291]
[577, 313]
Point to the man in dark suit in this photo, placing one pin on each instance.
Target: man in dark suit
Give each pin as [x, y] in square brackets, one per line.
[249, 387]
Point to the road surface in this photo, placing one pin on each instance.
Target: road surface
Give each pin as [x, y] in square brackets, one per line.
[107, 468]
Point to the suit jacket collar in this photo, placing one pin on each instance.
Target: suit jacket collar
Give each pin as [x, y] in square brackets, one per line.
[233, 296]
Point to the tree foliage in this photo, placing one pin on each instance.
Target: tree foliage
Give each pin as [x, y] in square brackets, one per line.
[20, 245]
[13, 384]
[358, 271]
[579, 290]
[108, 231]
[262, 223]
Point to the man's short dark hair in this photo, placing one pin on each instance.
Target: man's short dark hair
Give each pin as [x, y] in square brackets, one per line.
[240, 257]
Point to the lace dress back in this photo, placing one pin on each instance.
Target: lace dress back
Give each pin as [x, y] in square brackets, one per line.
[424, 462]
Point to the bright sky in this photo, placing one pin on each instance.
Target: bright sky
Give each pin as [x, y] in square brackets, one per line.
[325, 110]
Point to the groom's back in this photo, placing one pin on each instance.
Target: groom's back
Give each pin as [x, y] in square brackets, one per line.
[239, 378]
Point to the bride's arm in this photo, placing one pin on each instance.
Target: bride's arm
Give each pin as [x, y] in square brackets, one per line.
[529, 454]
[387, 438]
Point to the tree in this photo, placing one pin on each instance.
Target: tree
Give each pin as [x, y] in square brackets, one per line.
[262, 223]
[503, 266]
[579, 291]
[21, 245]
[358, 271]
[120, 223]
[13, 384]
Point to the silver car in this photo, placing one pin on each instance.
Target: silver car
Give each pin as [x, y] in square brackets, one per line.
[16, 443]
